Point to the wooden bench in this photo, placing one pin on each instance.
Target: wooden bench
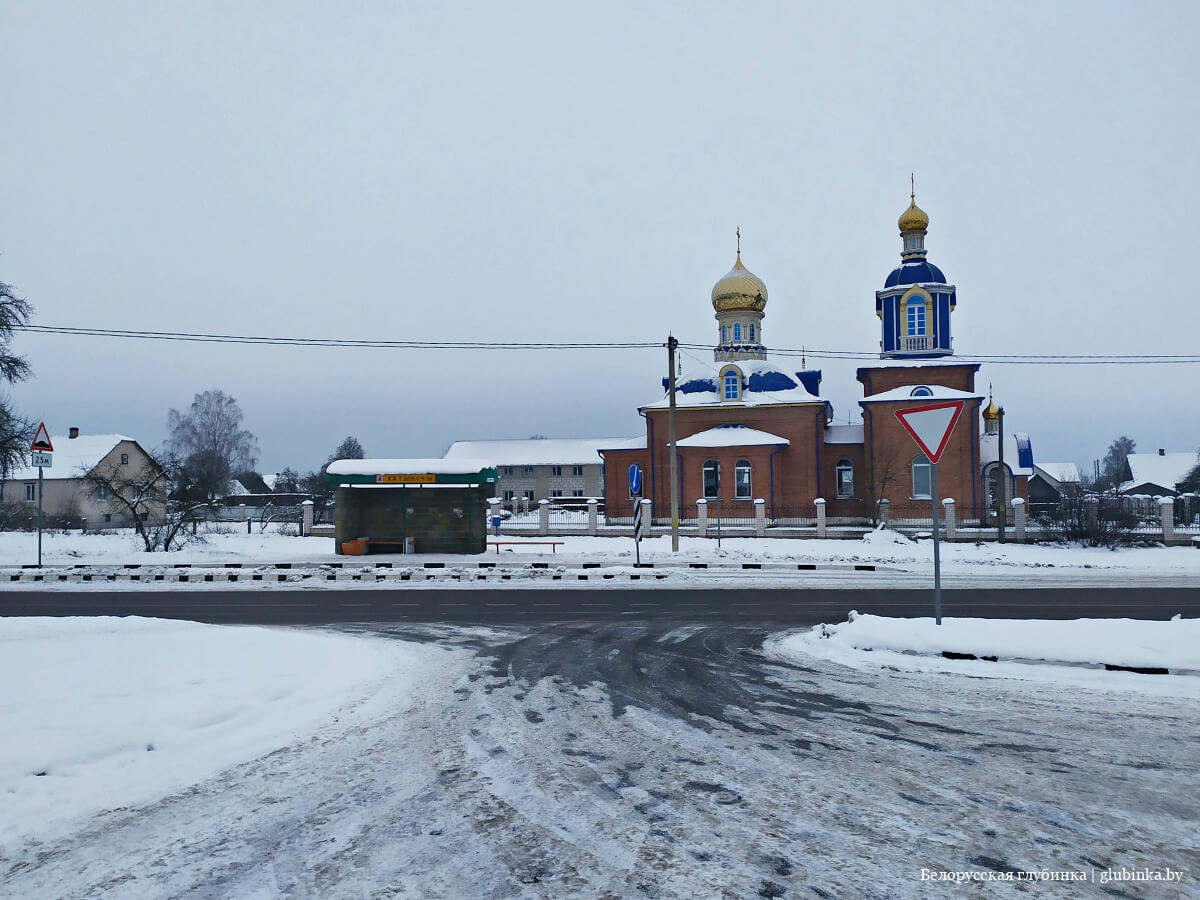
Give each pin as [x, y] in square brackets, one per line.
[554, 545]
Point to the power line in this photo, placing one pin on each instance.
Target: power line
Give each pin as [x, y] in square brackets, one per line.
[275, 340]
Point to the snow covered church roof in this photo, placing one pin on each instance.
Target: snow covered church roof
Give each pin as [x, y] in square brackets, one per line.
[1018, 452]
[762, 384]
[74, 457]
[920, 393]
[538, 451]
[1059, 472]
[732, 436]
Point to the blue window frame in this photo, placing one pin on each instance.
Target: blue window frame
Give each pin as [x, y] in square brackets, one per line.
[751, 326]
[737, 331]
[724, 333]
[731, 385]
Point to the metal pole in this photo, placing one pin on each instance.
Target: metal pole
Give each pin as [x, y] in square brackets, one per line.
[1002, 489]
[674, 465]
[41, 471]
[937, 561]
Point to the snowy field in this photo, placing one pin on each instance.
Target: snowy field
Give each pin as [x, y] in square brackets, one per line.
[882, 548]
[105, 713]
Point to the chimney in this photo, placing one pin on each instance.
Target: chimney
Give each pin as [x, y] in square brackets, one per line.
[73, 433]
[1162, 452]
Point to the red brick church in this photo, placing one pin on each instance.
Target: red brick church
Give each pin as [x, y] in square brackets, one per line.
[747, 428]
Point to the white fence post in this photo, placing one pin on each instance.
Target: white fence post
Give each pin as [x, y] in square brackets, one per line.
[822, 528]
[885, 516]
[1166, 507]
[306, 518]
[593, 516]
[760, 518]
[1020, 517]
[702, 517]
[241, 512]
[948, 517]
[543, 517]
[647, 518]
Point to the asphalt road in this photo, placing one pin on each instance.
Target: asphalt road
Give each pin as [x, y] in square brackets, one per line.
[784, 606]
[654, 759]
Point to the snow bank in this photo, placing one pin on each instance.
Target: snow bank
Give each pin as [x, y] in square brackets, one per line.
[881, 641]
[102, 713]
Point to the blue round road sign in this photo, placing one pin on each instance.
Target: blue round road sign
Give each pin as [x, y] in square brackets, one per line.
[635, 479]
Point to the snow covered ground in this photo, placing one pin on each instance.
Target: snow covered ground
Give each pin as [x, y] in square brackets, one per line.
[882, 548]
[1072, 652]
[103, 713]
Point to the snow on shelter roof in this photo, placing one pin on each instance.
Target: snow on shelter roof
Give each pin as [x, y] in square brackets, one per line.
[732, 436]
[73, 457]
[537, 451]
[408, 466]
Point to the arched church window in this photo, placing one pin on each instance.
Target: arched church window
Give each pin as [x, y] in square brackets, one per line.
[751, 331]
[731, 385]
[916, 318]
[724, 333]
[712, 479]
[737, 331]
[845, 479]
[920, 391]
[741, 480]
[922, 486]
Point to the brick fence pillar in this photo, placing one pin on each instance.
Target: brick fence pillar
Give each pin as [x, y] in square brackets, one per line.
[1166, 506]
[819, 503]
[593, 516]
[885, 518]
[1020, 518]
[948, 518]
[647, 518]
[702, 517]
[306, 518]
[760, 518]
[543, 517]
[1091, 508]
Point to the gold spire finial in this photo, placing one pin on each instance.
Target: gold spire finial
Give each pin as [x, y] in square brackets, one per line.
[738, 232]
[912, 185]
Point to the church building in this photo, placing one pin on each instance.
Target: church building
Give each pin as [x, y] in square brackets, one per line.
[750, 428]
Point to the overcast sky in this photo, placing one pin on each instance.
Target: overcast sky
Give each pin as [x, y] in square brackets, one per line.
[575, 172]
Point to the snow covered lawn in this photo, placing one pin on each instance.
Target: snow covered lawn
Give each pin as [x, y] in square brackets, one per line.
[102, 713]
[1075, 650]
[883, 548]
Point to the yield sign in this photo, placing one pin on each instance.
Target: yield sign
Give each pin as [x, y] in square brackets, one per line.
[930, 425]
[41, 440]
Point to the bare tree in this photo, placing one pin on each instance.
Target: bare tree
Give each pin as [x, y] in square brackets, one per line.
[1191, 481]
[141, 494]
[885, 470]
[1114, 466]
[209, 440]
[14, 430]
[350, 448]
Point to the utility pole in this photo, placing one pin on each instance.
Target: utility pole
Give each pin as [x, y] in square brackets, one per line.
[1002, 489]
[674, 465]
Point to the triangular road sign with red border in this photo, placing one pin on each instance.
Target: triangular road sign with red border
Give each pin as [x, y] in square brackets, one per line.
[41, 440]
[930, 425]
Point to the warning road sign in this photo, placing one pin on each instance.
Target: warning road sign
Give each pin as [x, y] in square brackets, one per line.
[41, 440]
[930, 425]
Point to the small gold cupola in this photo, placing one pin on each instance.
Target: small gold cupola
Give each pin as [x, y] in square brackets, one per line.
[991, 416]
[739, 299]
[913, 218]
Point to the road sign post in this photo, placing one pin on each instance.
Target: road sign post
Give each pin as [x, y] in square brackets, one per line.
[930, 426]
[40, 456]
[635, 492]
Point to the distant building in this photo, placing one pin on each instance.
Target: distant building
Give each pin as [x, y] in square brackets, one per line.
[1051, 480]
[67, 497]
[1157, 473]
[540, 469]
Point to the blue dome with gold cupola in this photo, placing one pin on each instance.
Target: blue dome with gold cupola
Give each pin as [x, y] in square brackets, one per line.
[916, 301]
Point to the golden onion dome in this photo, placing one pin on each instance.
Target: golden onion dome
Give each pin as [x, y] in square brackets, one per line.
[914, 218]
[992, 413]
[740, 290]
